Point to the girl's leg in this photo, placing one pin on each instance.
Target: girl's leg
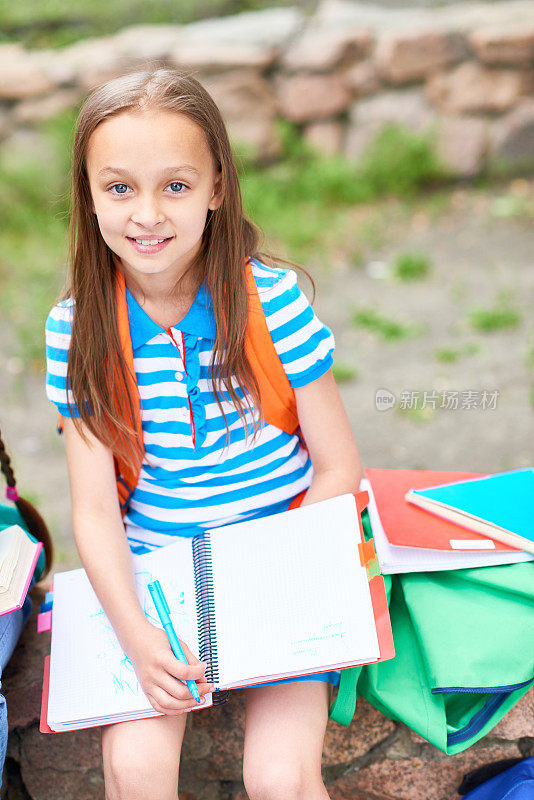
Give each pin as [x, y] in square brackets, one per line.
[284, 732]
[142, 758]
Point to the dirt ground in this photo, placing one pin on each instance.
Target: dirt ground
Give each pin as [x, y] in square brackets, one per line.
[481, 245]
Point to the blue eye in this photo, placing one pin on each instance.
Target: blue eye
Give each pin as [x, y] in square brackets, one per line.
[122, 188]
[117, 185]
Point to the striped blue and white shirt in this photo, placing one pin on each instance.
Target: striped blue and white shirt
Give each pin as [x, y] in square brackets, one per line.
[189, 480]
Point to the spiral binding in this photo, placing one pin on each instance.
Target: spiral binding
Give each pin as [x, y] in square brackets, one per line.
[205, 603]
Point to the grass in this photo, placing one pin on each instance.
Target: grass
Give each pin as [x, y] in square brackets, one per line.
[497, 318]
[54, 23]
[33, 207]
[448, 355]
[387, 329]
[417, 414]
[412, 266]
[343, 373]
[299, 201]
[511, 206]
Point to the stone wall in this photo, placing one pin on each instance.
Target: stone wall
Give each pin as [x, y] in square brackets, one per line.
[465, 70]
[372, 759]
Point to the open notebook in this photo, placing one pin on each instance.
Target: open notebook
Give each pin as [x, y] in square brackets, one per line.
[18, 559]
[275, 597]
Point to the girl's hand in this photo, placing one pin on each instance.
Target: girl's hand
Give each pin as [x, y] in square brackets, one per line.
[161, 674]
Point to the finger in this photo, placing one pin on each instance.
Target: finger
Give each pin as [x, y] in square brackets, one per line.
[156, 706]
[191, 657]
[169, 703]
[185, 672]
[205, 688]
[174, 687]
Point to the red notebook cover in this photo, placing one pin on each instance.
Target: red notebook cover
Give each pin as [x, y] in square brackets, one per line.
[404, 524]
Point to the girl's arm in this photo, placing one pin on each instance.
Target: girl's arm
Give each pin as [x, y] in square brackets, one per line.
[326, 429]
[105, 554]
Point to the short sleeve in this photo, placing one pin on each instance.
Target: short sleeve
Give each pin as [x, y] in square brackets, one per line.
[304, 344]
[58, 330]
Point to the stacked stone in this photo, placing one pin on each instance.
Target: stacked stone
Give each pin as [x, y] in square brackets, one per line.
[372, 759]
[464, 71]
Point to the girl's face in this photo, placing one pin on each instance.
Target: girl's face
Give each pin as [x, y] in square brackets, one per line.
[152, 177]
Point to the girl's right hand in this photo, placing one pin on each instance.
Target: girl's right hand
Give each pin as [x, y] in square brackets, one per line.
[161, 674]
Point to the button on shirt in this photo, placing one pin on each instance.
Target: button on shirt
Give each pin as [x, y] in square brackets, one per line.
[190, 479]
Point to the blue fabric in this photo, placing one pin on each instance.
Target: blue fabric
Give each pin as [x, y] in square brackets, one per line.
[11, 626]
[516, 783]
[327, 677]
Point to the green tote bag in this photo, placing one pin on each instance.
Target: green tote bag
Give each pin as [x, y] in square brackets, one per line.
[464, 644]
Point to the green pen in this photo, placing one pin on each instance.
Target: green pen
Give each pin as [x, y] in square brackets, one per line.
[162, 607]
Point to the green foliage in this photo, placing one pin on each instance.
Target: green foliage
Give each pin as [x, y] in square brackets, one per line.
[343, 373]
[447, 355]
[412, 266]
[529, 354]
[494, 319]
[387, 329]
[33, 208]
[511, 206]
[417, 414]
[54, 23]
[299, 198]
[400, 162]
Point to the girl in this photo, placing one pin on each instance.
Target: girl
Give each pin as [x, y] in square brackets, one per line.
[158, 225]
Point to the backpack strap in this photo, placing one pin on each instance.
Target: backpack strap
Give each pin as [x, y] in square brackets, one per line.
[126, 476]
[343, 708]
[277, 395]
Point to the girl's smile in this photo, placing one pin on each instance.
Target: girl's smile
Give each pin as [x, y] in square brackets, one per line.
[149, 245]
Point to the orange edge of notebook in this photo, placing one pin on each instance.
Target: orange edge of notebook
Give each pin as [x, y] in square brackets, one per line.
[382, 619]
[376, 587]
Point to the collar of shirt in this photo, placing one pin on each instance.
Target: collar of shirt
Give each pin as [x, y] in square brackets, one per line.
[198, 321]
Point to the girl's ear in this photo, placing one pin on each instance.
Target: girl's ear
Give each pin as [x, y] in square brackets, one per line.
[217, 196]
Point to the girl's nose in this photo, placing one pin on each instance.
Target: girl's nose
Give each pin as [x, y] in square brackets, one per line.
[147, 212]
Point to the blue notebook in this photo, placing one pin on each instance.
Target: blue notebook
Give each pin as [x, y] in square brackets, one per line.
[500, 505]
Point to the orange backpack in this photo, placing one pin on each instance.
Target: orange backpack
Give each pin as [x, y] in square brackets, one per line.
[276, 393]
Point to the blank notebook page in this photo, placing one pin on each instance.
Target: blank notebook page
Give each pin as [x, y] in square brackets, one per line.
[290, 594]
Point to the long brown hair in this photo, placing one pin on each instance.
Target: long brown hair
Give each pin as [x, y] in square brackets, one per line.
[96, 366]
